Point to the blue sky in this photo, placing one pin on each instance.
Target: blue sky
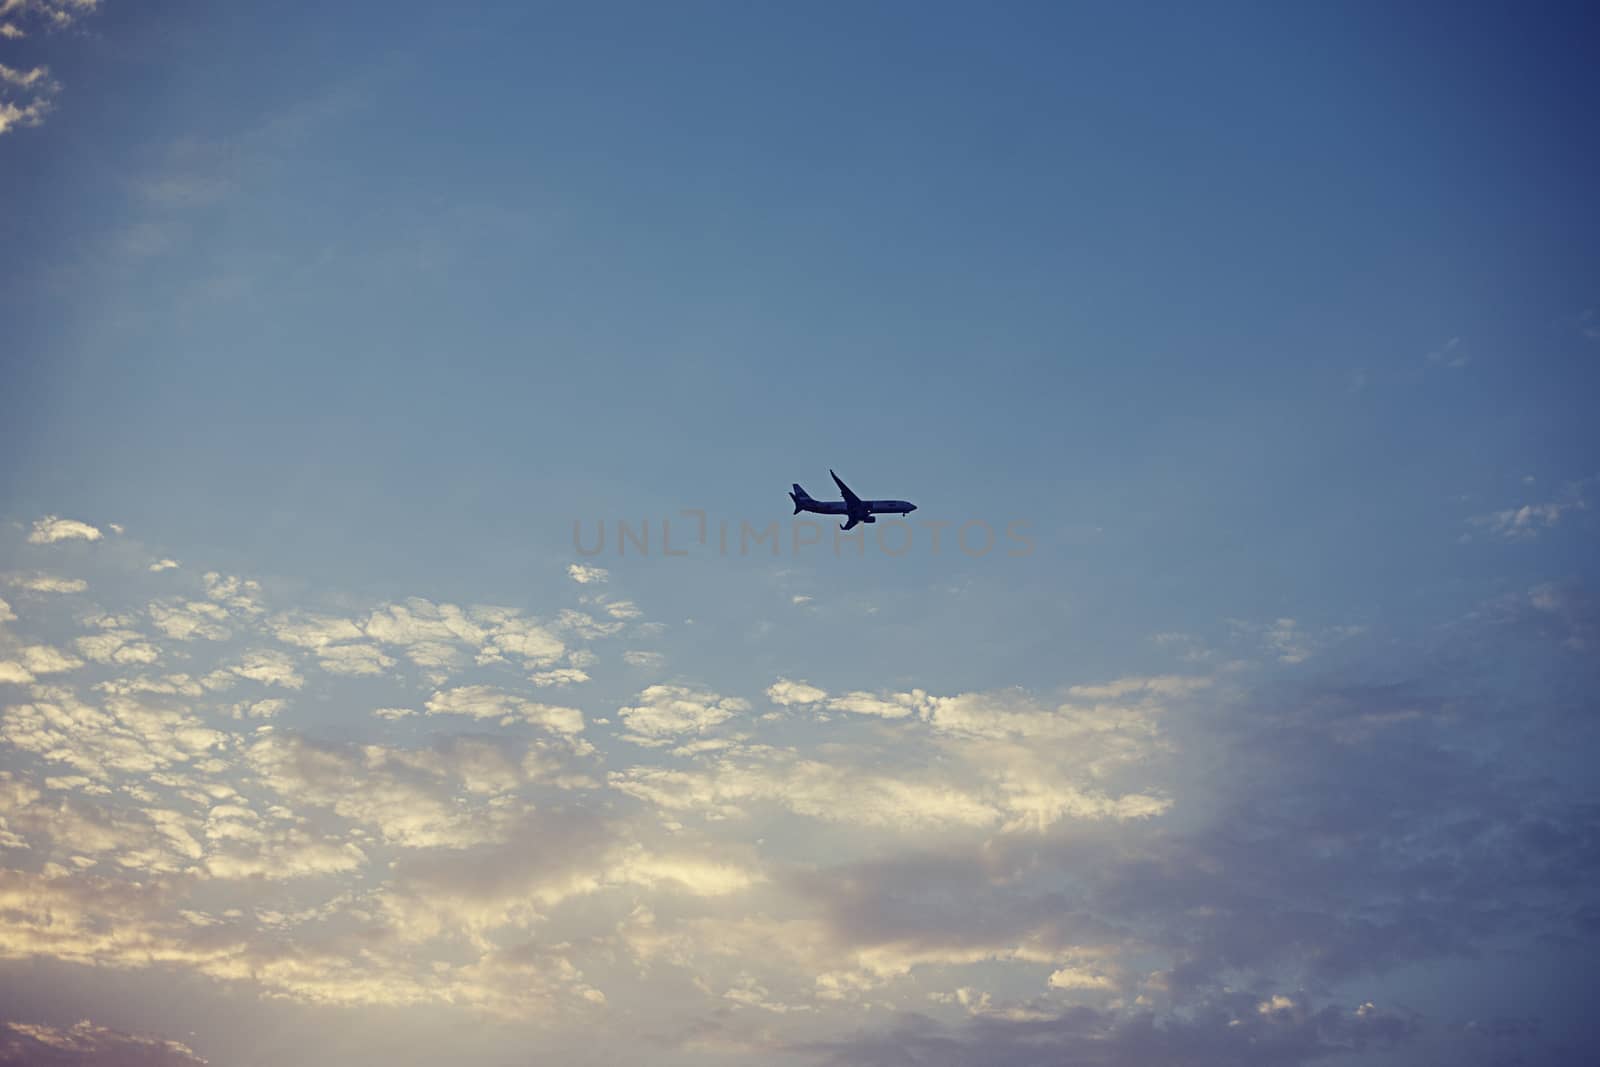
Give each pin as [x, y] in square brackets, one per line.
[1277, 331]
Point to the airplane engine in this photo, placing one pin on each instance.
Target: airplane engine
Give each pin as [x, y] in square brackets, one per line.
[870, 518]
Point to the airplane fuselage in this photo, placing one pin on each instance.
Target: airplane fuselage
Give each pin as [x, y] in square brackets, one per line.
[869, 507]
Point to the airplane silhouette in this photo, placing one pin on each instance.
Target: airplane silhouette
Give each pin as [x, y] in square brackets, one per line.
[853, 506]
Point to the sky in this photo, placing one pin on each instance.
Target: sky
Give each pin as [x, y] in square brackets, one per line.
[408, 653]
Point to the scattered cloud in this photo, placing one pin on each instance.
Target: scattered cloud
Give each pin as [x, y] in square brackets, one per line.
[1103, 868]
[51, 529]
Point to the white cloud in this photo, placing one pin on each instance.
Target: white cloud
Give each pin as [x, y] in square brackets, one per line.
[516, 637]
[33, 84]
[585, 575]
[416, 798]
[354, 660]
[440, 636]
[664, 710]
[487, 702]
[786, 692]
[393, 713]
[51, 529]
[313, 631]
[239, 595]
[646, 660]
[585, 626]
[123, 734]
[256, 709]
[559, 676]
[164, 565]
[45, 659]
[24, 79]
[45, 583]
[892, 706]
[1078, 978]
[118, 646]
[187, 620]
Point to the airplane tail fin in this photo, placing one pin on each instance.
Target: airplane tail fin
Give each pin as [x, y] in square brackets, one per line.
[799, 496]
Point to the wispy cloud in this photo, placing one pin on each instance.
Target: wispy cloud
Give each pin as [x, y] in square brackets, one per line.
[1526, 522]
[1449, 354]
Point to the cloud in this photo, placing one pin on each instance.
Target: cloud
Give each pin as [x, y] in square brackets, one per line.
[1525, 523]
[314, 632]
[189, 620]
[44, 583]
[893, 706]
[354, 660]
[267, 666]
[665, 710]
[1449, 355]
[56, 13]
[585, 625]
[586, 575]
[623, 609]
[163, 565]
[122, 735]
[419, 798]
[118, 646]
[1112, 869]
[559, 676]
[788, 693]
[50, 529]
[43, 659]
[996, 762]
[1223, 1031]
[85, 1044]
[441, 636]
[487, 702]
[1078, 978]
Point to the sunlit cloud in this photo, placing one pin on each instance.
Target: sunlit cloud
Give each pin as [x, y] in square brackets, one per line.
[51, 529]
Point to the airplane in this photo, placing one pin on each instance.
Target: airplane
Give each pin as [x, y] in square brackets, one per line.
[857, 509]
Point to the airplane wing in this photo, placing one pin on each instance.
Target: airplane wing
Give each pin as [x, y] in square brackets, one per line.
[849, 498]
[851, 521]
